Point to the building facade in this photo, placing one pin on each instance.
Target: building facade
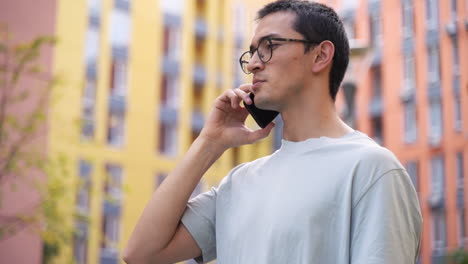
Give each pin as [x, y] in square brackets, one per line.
[411, 96]
[139, 78]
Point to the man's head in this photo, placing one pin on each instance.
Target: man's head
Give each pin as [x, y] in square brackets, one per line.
[315, 24]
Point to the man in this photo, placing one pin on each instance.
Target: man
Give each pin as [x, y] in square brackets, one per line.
[328, 195]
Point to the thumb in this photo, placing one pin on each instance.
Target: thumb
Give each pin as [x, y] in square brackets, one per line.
[261, 133]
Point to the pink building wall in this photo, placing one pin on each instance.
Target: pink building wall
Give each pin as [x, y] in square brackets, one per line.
[25, 19]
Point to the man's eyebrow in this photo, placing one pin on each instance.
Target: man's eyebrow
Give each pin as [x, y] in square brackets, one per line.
[272, 35]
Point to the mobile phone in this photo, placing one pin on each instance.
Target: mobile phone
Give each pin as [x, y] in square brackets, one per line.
[262, 117]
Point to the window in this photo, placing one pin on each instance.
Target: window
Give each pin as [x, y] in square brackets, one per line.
[456, 57]
[409, 80]
[460, 179]
[80, 239]
[458, 114]
[433, 64]
[435, 122]
[432, 16]
[376, 29]
[89, 91]
[437, 176]
[116, 130]
[119, 77]
[119, 28]
[159, 178]
[439, 242]
[88, 109]
[111, 208]
[377, 82]
[168, 139]
[169, 91]
[408, 18]
[456, 86]
[410, 125]
[412, 169]
[84, 187]
[377, 128]
[173, 6]
[172, 42]
[113, 183]
[461, 228]
[80, 244]
[453, 5]
[460, 169]
[94, 7]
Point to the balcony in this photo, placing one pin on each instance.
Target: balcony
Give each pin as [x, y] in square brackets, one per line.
[407, 94]
[170, 66]
[201, 29]
[436, 201]
[199, 74]
[87, 128]
[376, 107]
[456, 85]
[172, 20]
[439, 256]
[85, 169]
[432, 37]
[377, 56]
[94, 20]
[111, 208]
[408, 46]
[198, 120]
[117, 104]
[452, 28]
[168, 115]
[460, 197]
[109, 256]
[434, 92]
[120, 52]
[122, 4]
[91, 70]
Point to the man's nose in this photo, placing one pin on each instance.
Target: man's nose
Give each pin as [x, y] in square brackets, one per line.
[255, 64]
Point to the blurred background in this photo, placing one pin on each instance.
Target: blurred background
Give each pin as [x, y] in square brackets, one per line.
[99, 99]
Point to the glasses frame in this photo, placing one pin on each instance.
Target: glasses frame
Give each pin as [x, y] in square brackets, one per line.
[269, 39]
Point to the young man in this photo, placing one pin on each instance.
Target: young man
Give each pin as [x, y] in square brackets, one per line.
[329, 195]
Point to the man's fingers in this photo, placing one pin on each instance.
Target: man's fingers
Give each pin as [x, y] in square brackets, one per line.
[245, 87]
[243, 95]
[261, 133]
[233, 97]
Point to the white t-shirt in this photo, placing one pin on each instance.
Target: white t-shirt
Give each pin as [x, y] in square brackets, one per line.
[322, 200]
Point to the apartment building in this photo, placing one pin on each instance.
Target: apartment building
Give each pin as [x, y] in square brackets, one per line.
[138, 81]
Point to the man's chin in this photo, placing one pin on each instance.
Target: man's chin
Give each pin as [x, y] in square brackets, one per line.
[264, 105]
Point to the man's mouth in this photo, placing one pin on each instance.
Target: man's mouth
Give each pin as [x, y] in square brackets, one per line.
[256, 83]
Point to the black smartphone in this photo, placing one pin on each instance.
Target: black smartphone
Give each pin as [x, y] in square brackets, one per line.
[262, 117]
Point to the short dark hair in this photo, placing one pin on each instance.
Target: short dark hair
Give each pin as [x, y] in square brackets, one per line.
[317, 22]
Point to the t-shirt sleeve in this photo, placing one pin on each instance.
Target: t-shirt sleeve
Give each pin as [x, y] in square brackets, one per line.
[386, 222]
[199, 218]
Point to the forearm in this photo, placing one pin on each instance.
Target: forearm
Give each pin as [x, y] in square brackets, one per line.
[160, 218]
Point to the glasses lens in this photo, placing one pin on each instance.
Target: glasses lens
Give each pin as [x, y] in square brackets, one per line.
[244, 60]
[264, 50]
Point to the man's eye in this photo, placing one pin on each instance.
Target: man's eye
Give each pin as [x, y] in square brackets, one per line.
[273, 45]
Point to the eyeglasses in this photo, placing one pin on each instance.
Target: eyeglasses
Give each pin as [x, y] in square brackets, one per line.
[265, 51]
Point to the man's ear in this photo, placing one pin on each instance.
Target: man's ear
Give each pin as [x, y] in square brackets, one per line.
[324, 55]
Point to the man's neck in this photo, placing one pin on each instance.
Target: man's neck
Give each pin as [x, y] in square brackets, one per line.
[313, 119]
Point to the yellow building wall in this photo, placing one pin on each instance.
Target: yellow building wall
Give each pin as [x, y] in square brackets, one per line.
[138, 156]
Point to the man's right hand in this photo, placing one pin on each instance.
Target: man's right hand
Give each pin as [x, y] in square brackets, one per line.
[225, 126]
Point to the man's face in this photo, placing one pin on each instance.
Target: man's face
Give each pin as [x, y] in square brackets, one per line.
[279, 81]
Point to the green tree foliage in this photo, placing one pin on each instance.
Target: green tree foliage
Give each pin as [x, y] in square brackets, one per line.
[459, 256]
[25, 89]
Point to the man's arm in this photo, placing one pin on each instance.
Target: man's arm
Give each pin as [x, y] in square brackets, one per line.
[386, 222]
[159, 237]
